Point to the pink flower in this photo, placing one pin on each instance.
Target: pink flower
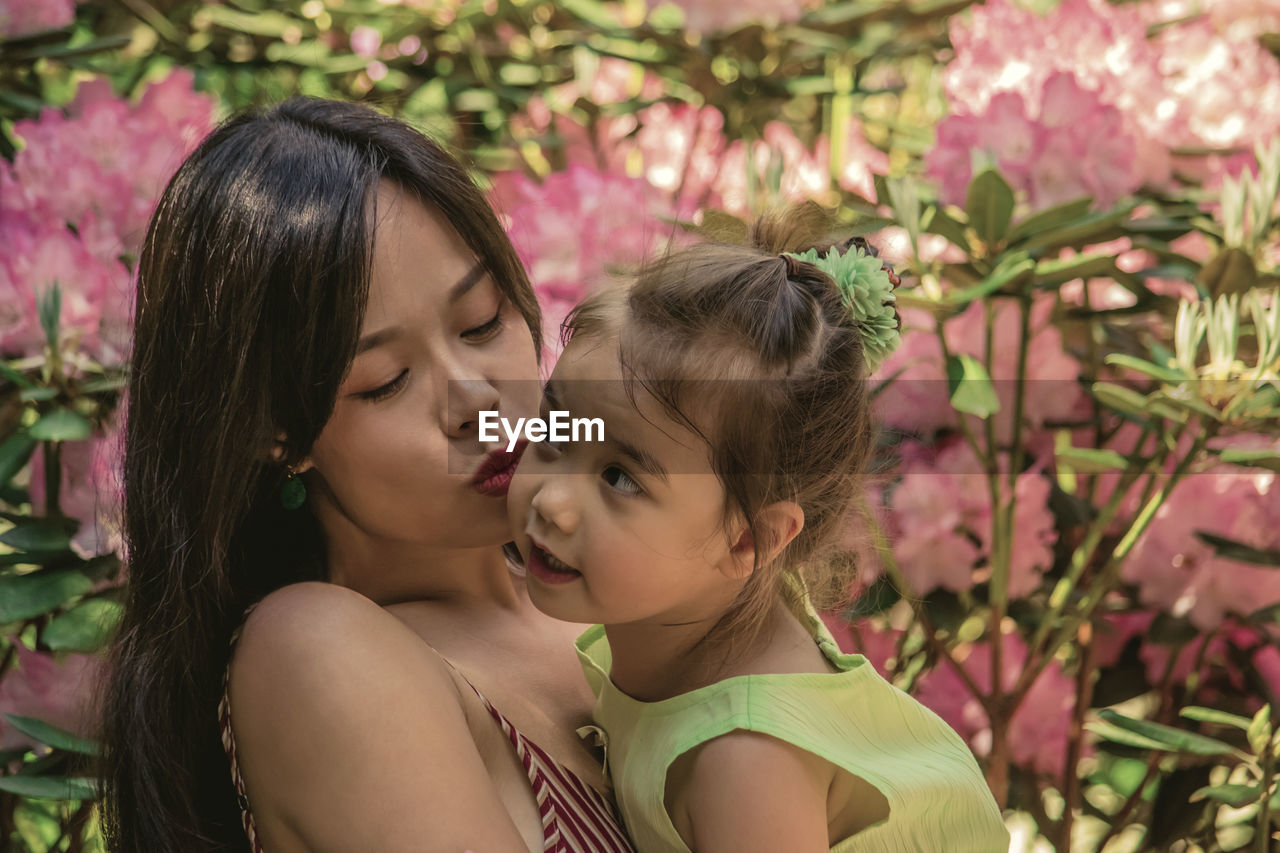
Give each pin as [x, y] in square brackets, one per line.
[107, 157]
[941, 519]
[57, 691]
[576, 229]
[91, 491]
[1059, 144]
[681, 148]
[1176, 571]
[707, 16]
[365, 41]
[1038, 730]
[917, 399]
[778, 165]
[93, 300]
[20, 17]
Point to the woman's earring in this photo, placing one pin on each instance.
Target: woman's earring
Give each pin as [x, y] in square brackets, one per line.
[293, 493]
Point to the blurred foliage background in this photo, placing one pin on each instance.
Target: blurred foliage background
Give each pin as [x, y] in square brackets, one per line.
[1073, 524]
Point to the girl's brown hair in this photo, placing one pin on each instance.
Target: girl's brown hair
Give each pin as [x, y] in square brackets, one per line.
[757, 353]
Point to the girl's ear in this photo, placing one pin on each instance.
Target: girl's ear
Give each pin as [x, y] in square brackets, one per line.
[777, 524]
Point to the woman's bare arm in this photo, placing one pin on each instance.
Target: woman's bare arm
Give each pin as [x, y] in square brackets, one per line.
[351, 735]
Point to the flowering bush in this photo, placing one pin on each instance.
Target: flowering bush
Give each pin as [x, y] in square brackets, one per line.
[1068, 543]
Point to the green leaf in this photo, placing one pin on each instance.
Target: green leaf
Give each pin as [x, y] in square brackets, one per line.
[1259, 731]
[970, 387]
[1229, 549]
[51, 787]
[51, 735]
[1122, 399]
[1093, 228]
[1233, 795]
[14, 454]
[1213, 715]
[904, 200]
[272, 24]
[1155, 371]
[106, 383]
[1124, 737]
[1268, 459]
[87, 627]
[1090, 460]
[34, 594]
[1059, 270]
[49, 307]
[38, 535]
[1169, 738]
[32, 395]
[61, 425]
[1049, 219]
[938, 221]
[1012, 269]
[17, 377]
[989, 204]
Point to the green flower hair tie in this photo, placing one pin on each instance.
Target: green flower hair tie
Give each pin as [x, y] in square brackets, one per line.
[867, 288]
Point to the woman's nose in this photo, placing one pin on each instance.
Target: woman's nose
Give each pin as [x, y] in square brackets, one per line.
[466, 399]
[554, 504]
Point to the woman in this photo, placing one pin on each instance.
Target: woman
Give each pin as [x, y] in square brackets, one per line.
[325, 303]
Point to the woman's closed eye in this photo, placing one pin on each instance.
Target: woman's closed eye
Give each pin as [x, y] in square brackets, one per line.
[382, 392]
[620, 481]
[487, 330]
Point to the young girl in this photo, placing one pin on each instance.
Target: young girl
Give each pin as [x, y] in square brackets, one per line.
[731, 383]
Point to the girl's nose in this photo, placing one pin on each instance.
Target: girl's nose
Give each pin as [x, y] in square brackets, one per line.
[554, 504]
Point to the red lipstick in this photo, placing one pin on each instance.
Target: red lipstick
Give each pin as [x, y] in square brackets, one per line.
[493, 477]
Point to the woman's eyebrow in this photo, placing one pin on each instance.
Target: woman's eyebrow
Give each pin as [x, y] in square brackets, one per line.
[468, 281]
[378, 338]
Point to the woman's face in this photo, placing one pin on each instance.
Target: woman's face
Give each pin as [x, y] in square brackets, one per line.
[439, 343]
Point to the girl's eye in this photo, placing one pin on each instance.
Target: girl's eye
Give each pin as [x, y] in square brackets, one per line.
[485, 331]
[620, 481]
[382, 392]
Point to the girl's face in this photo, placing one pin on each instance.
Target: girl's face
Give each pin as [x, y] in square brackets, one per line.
[627, 530]
[440, 342]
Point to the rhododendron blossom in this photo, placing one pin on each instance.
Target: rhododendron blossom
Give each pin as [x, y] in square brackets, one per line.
[56, 690]
[1038, 730]
[578, 227]
[23, 17]
[710, 16]
[1179, 572]
[941, 516]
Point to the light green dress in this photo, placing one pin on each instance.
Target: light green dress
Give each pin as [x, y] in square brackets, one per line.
[938, 800]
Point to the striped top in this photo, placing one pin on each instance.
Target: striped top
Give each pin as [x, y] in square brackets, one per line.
[576, 818]
[938, 799]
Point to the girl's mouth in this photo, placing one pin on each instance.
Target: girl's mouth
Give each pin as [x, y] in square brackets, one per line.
[549, 568]
[493, 477]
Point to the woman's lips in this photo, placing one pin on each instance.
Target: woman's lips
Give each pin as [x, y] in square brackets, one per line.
[493, 477]
[540, 566]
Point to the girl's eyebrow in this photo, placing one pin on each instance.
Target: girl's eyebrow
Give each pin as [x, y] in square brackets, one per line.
[647, 461]
[468, 281]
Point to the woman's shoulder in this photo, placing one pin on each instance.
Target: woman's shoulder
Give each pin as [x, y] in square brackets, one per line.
[338, 711]
[324, 646]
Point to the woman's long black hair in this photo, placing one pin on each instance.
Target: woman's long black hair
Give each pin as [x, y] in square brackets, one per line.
[251, 293]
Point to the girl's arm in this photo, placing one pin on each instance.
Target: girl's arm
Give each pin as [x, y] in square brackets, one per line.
[748, 792]
[351, 734]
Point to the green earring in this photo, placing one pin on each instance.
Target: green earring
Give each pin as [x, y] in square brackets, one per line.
[293, 493]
